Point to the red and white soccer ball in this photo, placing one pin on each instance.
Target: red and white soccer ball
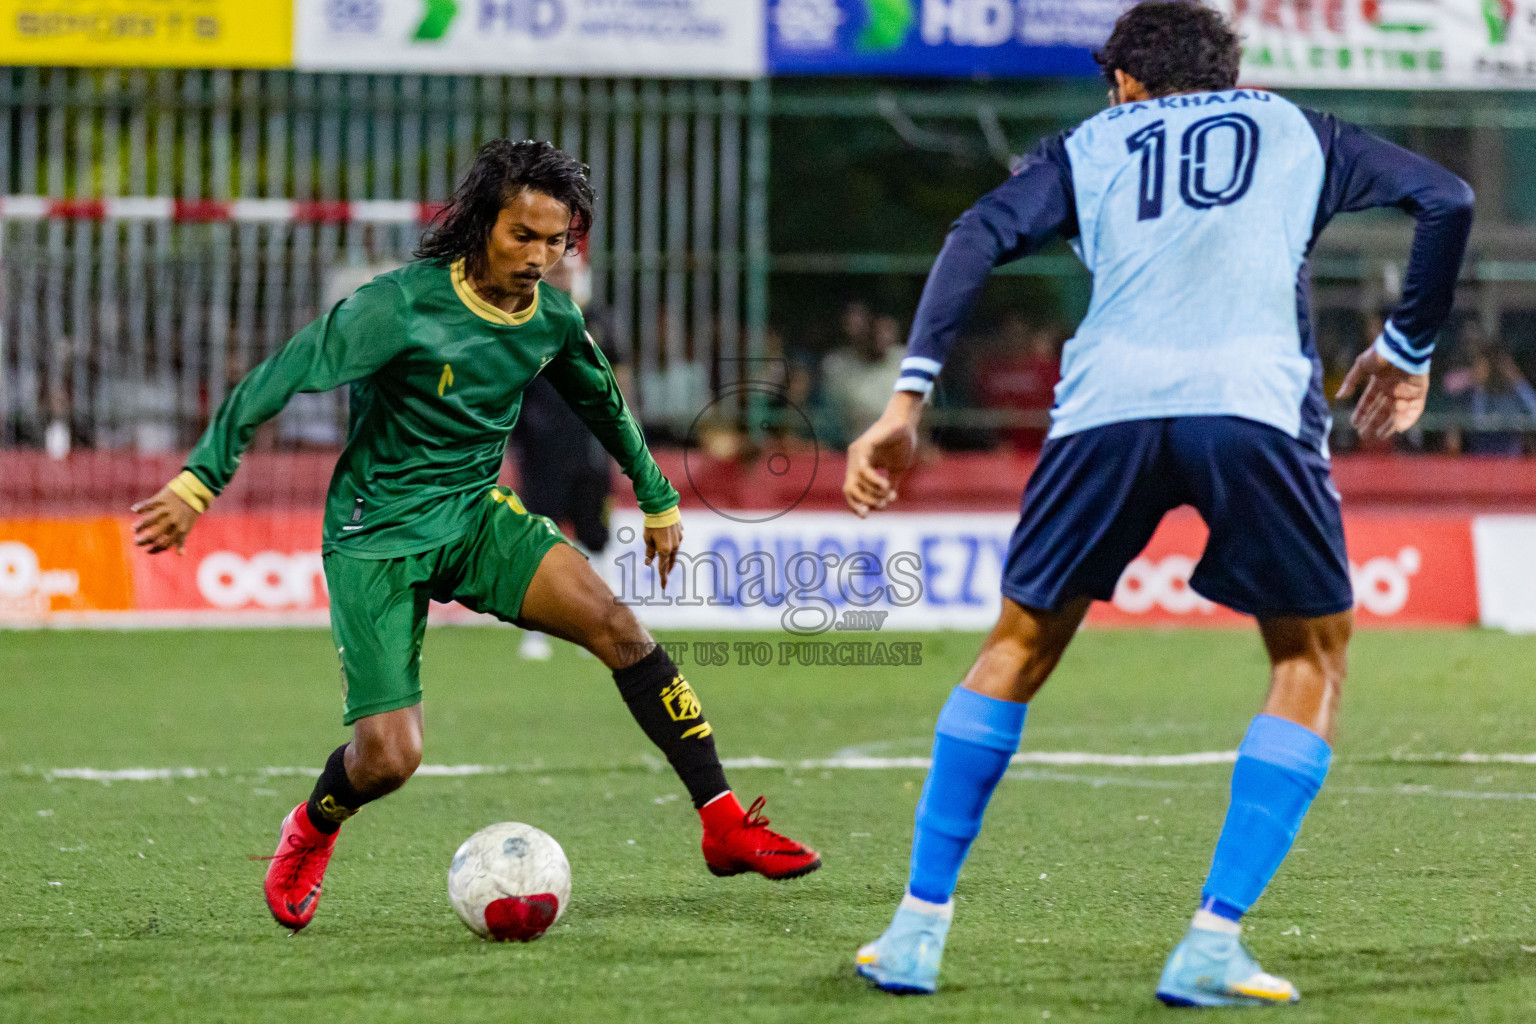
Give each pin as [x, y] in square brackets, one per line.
[509, 882]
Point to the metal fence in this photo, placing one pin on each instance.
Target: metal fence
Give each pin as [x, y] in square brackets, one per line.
[122, 325]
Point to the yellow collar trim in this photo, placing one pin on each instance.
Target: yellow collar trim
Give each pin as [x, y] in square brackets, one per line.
[484, 310]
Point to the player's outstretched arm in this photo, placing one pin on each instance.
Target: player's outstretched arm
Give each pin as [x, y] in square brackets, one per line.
[356, 338]
[881, 456]
[1015, 219]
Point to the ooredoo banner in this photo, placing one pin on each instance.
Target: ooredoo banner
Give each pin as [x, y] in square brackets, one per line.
[1407, 571]
[49, 567]
[238, 565]
[676, 38]
[803, 573]
[831, 573]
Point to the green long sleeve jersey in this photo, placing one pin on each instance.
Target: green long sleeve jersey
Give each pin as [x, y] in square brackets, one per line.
[437, 376]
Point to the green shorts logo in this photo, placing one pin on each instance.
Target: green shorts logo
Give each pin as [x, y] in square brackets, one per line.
[886, 26]
[436, 16]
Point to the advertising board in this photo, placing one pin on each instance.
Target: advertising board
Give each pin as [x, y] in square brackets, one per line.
[939, 38]
[1387, 44]
[147, 33]
[805, 573]
[679, 38]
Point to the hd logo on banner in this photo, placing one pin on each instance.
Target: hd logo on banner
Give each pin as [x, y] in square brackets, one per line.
[702, 38]
[942, 38]
[1387, 44]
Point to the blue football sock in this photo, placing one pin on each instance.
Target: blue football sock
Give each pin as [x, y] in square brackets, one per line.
[1280, 767]
[975, 737]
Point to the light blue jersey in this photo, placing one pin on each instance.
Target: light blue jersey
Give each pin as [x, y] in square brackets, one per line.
[1195, 214]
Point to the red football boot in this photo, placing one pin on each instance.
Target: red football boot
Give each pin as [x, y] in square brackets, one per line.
[736, 841]
[297, 868]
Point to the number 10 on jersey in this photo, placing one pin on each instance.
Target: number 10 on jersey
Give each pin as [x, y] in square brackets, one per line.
[1201, 186]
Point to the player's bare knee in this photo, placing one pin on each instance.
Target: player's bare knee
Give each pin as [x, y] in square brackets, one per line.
[620, 635]
[394, 768]
[1007, 668]
[385, 763]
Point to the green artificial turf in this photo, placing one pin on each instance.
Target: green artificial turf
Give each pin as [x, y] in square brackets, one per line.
[1408, 897]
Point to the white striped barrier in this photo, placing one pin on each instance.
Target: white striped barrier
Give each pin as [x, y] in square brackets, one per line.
[219, 211]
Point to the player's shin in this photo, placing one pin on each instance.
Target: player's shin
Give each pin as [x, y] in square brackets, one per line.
[334, 799]
[973, 742]
[1280, 768]
[669, 711]
[972, 745]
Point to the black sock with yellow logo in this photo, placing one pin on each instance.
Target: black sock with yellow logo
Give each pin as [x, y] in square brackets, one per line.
[334, 799]
[670, 713]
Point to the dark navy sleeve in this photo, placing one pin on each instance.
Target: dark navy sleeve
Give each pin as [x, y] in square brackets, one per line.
[1017, 218]
[1364, 172]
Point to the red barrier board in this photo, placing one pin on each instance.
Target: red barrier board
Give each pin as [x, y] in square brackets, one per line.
[236, 563]
[1407, 571]
[64, 565]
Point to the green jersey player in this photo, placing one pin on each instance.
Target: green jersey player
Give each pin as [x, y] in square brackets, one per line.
[437, 355]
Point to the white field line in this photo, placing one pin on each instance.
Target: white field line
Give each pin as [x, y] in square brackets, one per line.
[862, 763]
[124, 774]
[1057, 759]
[1404, 789]
[1461, 758]
[165, 774]
[1063, 759]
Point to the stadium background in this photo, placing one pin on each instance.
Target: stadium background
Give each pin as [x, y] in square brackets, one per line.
[209, 176]
[183, 183]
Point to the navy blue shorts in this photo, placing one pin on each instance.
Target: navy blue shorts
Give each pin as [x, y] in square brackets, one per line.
[1277, 535]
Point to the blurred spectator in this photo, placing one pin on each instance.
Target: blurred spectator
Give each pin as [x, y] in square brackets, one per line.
[674, 385]
[788, 375]
[1021, 377]
[857, 325]
[152, 411]
[57, 437]
[856, 381]
[1490, 387]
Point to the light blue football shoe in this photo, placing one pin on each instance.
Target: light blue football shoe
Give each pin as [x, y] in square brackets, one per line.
[905, 960]
[1211, 968]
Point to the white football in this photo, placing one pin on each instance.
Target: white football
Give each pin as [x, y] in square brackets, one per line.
[509, 882]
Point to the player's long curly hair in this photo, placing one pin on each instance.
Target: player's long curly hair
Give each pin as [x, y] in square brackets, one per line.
[1173, 46]
[503, 169]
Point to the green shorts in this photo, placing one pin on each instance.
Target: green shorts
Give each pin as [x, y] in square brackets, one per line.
[379, 606]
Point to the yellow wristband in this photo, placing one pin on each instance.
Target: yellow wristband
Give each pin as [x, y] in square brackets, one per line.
[655, 521]
[191, 490]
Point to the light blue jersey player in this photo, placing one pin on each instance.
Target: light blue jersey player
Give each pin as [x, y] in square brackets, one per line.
[1193, 380]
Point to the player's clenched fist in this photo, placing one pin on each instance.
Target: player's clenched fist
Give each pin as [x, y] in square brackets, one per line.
[882, 455]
